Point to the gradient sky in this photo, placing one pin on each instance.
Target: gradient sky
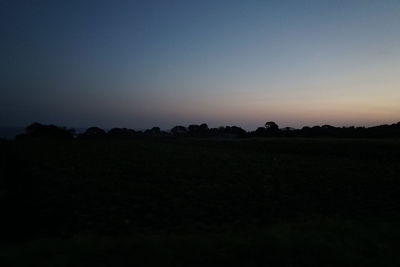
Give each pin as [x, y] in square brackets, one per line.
[139, 64]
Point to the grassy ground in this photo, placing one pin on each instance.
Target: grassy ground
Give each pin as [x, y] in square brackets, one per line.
[332, 243]
[194, 202]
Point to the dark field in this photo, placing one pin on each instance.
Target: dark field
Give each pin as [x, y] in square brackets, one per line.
[200, 202]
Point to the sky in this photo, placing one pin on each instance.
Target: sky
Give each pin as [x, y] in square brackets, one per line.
[139, 64]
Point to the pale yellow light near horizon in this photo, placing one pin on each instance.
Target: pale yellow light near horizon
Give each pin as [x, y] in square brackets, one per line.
[362, 99]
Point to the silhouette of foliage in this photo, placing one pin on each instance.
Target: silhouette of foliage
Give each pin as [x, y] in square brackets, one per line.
[122, 133]
[201, 130]
[93, 132]
[155, 132]
[41, 130]
[179, 130]
[270, 129]
[228, 132]
[271, 126]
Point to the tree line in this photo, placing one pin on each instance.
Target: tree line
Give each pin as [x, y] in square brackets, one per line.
[270, 129]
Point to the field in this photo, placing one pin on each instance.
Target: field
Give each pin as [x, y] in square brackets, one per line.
[200, 202]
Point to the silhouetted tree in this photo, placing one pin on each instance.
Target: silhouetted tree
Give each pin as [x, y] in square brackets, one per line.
[260, 131]
[227, 132]
[155, 131]
[201, 130]
[193, 128]
[121, 133]
[93, 132]
[288, 132]
[328, 127]
[237, 131]
[288, 129]
[41, 130]
[179, 130]
[203, 127]
[271, 126]
[271, 129]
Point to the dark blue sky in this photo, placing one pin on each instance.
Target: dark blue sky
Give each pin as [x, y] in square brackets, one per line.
[143, 63]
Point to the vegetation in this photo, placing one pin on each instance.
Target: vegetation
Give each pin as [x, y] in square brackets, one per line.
[270, 129]
[130, 198]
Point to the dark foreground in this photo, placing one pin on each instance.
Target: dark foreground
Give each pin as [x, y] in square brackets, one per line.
[200, 202]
